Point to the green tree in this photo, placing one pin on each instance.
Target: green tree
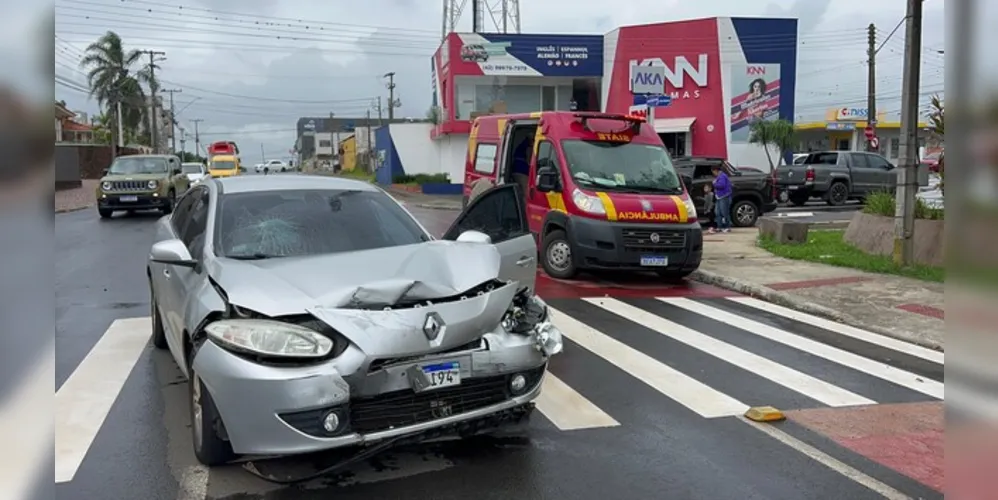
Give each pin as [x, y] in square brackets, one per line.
[111, 78]
[937, 115]
[433, 115]
[778, 134]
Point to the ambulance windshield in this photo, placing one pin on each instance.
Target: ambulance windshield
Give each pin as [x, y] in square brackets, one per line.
[621, 166]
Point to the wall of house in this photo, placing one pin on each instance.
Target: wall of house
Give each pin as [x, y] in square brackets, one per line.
[406, 149]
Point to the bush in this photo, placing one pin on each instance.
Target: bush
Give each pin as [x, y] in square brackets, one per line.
[883, 203]
[422, 179]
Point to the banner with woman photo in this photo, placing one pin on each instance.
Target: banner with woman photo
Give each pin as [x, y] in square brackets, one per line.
[755, 95]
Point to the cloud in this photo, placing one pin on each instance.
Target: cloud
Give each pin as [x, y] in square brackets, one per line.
[251, 68]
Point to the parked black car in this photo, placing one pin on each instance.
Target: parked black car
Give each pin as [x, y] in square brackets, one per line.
[754, 191]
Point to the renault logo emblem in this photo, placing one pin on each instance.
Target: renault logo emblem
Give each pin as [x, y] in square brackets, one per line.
[433, 325]
[646, 205]
[654, 237]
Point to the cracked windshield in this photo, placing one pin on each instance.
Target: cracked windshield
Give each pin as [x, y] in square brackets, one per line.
[586, 252]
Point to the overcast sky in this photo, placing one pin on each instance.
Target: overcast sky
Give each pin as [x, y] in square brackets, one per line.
[248, 84]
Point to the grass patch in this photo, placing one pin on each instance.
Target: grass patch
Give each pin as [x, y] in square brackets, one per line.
[883, 203]
[357, 174]
[829, 247]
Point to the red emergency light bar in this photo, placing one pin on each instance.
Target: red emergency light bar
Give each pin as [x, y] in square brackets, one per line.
[633, 121]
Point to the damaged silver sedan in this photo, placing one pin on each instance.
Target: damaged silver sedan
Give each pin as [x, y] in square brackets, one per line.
[312, 313]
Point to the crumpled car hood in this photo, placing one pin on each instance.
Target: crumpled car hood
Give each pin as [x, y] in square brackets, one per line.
[363, 279]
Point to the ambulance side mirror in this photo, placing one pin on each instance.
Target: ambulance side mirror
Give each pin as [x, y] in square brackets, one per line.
[547, 177]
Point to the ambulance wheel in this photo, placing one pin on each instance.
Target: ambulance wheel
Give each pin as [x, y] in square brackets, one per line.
[557, 256]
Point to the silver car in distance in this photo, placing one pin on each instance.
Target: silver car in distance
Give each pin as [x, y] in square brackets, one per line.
[311, 313]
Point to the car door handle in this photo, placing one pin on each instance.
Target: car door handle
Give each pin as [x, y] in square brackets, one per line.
[166, 272]
[524, 261]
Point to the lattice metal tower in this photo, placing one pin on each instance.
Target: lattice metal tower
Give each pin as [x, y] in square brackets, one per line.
[503, 14]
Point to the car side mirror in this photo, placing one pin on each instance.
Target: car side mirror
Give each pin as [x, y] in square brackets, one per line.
[172, 252]
[472, 236]
[177, 171]
[105, 171]
[547, 179]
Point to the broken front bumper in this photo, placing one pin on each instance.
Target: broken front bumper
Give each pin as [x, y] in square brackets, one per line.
[278, 410]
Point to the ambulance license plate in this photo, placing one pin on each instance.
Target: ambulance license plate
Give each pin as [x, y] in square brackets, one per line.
[654, 261]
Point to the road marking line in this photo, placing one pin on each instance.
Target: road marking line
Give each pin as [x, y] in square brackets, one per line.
[827, 460]
[849, 331]
[794, 380]
[85, 399]
[856, 362]
[675, 385]
[567, 409]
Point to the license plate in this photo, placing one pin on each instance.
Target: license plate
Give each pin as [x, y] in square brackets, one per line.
[442, 375]
[655, 261]
[127, 199]
[792, 188]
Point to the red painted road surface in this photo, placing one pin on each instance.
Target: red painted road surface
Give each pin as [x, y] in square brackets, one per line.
[634, 285]
[907, 438]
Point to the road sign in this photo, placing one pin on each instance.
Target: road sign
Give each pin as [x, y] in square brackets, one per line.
[869, 132]
[659, 101]
[875, 142]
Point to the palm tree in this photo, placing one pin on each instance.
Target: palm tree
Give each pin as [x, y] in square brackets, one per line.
[937, 116]
[112, 79]
[779, 134]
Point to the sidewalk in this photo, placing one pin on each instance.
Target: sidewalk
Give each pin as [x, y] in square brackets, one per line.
[904, 308]
[420, 200]
[70, 200]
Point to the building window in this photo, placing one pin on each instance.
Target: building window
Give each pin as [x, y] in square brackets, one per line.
[895, 148]
[325, 144]
[485, 158]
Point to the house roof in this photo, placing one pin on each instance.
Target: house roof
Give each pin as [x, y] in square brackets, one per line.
[62, 111]
[69, 125]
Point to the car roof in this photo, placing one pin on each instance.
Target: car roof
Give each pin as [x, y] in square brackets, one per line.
[250, 183]
[147, 156]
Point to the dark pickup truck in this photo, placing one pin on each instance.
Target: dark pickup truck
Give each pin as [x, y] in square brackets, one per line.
[836, 177]
[754, 192]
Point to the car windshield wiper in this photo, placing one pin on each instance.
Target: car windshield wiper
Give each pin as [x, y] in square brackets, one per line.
[652, 189]
[252, 256]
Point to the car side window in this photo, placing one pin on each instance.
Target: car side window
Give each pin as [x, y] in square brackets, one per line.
[181, 214]
[498, 212]
[877, 161]
[485, 158]
[194, 232]
[546, 156]
[702, 171]
[860, 160]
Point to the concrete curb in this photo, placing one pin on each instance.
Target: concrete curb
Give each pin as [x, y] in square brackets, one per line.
[71, 209]
[787, 300]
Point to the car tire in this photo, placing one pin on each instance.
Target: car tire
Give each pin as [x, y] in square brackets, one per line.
[745, 213]
[206, 436]
[171, 199]
[837, 194]
[556, 255]
[158, 332]
[283, 169]
[105, 213]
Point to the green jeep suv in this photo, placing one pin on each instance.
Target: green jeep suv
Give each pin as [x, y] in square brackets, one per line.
[141, 182]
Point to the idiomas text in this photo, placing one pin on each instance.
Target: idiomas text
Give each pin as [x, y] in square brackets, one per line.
[676, 75]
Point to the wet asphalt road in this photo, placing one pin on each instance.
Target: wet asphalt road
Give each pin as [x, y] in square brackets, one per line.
[659, 449]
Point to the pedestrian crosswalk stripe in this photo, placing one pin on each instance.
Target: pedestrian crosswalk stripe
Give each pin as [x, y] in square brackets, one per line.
[845, 358]
[849, 331]
[85, 398]
[802, 383]
[698, 397]
[568, 410]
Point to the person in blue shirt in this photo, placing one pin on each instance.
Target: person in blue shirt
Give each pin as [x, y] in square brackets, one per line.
[722, 200]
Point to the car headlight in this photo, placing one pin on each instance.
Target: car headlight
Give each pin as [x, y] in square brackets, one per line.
[153, 184]
[270, 338]
[691, 209]
[106, 185]
[588, 203]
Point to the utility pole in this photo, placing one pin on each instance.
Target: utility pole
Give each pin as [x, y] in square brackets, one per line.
[173, 119]
[370, 145]
[263, 156]
[391, 95]
[904, 214]
[871, 85]
[377, 108]
[197, 136]
[183, 142]
[153, 130]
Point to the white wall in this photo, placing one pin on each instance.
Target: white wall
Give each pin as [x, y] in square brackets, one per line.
[323, 136]
[421, 155]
